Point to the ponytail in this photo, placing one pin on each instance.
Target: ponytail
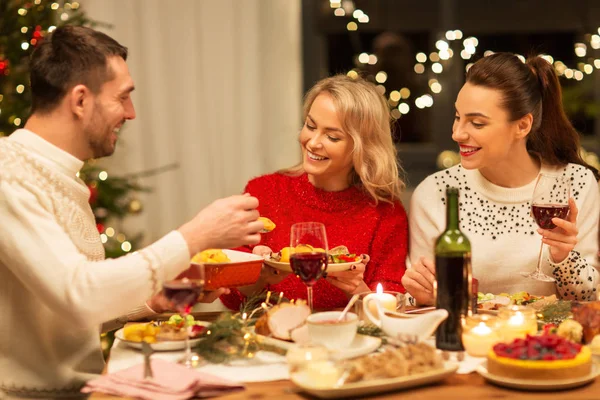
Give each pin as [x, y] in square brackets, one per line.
[556, 140]
[532, 87]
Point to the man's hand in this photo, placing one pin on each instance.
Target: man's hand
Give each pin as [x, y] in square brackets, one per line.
[160, 304]
[226, 223]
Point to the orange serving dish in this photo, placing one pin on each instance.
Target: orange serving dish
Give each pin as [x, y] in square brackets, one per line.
[242, 269]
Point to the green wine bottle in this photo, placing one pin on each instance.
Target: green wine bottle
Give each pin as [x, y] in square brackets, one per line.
[453, 277]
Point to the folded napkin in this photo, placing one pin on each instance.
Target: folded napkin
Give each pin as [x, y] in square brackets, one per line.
[171, 382]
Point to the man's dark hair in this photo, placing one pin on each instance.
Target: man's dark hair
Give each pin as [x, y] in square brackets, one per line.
[69, 56]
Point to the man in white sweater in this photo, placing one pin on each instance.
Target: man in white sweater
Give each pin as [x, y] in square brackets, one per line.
[56, 288]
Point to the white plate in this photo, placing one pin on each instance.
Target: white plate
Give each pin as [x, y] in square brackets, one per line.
[168, 345]
[530, 384]
[333, 267]
[365, 388]
[361, 345]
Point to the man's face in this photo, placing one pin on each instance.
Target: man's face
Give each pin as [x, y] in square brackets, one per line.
[112, 107]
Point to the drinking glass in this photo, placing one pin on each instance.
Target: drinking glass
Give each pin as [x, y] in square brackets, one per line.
[550, 200]
[183, 292]
[309, 261]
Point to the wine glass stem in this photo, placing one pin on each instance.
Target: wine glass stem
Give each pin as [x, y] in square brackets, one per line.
[539, 264]
[188, 350]
[309, 293]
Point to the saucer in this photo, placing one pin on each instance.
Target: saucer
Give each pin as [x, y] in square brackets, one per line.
[536, 384]
[361, 345]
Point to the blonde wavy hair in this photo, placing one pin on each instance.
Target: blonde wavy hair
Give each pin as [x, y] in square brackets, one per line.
[365, 117]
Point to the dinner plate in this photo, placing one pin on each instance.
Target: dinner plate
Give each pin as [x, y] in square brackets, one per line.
[361, 345]
[531, 384]
[370, 387]
[333, 267]
[167, 345]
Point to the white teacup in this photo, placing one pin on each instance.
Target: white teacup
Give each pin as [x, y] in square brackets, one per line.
[324, 329]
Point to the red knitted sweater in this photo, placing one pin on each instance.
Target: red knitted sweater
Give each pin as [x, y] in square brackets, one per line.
[351, 219]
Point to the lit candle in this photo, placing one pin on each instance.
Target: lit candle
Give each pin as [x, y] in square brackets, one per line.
[517, 322]
[387, 301]
[480, 335]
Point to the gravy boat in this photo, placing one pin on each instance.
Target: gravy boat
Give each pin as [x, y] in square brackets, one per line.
[396, 324]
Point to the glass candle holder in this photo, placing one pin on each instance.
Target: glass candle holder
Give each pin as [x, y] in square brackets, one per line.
[389, 300]
[517, 322]
[299, 357]
[312, 365]
[480, 333]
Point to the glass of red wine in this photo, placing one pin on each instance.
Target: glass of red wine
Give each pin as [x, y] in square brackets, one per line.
[309, 262]
[183, 292]
[550, 200]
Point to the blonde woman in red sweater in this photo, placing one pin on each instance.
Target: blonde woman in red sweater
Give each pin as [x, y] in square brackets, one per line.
[348, 179]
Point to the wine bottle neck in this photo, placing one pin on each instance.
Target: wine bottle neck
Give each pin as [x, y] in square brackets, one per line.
[451, 210]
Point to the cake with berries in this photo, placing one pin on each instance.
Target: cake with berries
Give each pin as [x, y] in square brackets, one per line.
[544, 357]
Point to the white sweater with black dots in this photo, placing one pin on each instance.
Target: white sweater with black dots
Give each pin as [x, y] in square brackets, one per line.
[503, 235]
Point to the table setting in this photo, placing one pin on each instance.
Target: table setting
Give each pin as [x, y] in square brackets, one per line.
[376, 345]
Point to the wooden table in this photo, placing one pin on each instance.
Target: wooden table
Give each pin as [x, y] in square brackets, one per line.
[456, 387]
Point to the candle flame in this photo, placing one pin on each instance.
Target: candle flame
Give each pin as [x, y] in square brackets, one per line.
[481, 329]
[379, 288]
[517, 319]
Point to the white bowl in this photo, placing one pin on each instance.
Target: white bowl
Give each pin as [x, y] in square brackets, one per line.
[324, 329]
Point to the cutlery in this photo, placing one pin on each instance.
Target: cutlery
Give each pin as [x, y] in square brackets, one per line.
[147, 352]
[350, 304]
[420, 310]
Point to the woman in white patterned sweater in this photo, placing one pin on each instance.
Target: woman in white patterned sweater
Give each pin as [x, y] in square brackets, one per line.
[510, 127]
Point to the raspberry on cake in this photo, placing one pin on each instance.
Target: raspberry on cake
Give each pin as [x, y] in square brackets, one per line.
[545, 357]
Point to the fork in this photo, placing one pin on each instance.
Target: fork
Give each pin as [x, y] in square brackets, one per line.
[147, 352]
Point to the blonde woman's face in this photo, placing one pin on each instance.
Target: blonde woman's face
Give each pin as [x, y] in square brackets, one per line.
[326, 148]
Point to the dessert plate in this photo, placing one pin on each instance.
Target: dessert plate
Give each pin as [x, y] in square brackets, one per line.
[166, 345]
[530, 384]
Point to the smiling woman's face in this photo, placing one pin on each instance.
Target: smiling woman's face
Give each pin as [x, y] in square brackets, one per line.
[326, 148]
[482, 128]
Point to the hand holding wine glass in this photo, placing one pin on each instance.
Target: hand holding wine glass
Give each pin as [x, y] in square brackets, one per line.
[311, 263]
[550, 206]
[562, 239]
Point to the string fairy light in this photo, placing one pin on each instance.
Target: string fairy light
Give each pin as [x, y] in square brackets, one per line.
[445, 53]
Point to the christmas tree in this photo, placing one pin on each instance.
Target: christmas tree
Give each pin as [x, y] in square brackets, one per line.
[23, 25]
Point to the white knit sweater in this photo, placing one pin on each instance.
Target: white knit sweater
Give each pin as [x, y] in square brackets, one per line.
[56, 289]
[503, 235]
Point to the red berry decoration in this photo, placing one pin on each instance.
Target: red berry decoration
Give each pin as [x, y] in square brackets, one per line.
[545, 347]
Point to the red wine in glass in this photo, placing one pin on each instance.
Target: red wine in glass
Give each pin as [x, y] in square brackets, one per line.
[550, 200]
[182, 293]
[309, 267]
[543, 214]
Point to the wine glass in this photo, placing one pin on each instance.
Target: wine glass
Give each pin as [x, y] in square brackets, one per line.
[183, 292]
[309, 261]
[550, 200]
